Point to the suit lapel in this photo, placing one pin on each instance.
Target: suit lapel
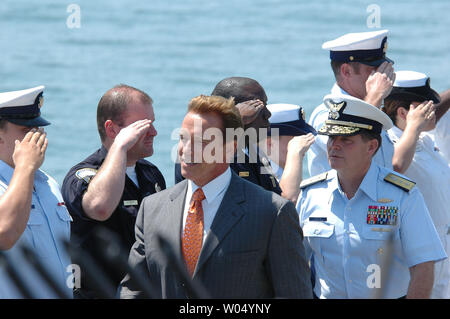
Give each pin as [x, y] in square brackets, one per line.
[228, 214]
[175, 210]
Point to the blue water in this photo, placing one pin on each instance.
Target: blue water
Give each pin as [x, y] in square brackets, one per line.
[175, 50]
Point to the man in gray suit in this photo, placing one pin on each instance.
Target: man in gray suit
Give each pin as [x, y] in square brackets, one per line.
[237, 239]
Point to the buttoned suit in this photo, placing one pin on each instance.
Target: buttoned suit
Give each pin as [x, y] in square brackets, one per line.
[253, 250]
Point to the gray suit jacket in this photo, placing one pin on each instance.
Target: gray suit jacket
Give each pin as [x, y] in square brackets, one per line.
[253, 250]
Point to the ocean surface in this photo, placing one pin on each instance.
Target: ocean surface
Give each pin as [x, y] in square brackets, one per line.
[175, 50]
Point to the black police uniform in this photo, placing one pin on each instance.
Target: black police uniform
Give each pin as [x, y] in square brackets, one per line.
[123, 219]
[248, 171]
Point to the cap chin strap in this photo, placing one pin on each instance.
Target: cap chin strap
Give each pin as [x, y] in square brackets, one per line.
[352, 124]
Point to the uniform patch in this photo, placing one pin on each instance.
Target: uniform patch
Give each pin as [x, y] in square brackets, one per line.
[400, 182]
[86, 174]
[382, 215]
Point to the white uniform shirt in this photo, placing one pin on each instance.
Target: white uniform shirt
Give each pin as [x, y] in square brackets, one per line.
[441, 135]
[317, 153]
[431, 172]
[214, 192]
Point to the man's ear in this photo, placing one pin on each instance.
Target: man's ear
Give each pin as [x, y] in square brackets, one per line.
[346, 70]
[111, 130]
[373, 146]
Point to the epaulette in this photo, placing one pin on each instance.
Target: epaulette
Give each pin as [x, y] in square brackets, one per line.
[313, 180]
[399, 181]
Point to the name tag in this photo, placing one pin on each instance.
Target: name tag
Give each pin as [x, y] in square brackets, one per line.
[317, 219]
[244, 174]
[132, 202]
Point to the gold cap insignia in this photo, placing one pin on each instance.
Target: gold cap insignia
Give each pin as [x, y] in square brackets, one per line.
[41, 101]
[303, 114]
[335, 108]
[351, 58]
[385, 47]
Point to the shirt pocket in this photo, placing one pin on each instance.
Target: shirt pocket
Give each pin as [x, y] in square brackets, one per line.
[318, 229]
[36, 234]
[375, 240]
[377, 232]
[316, 233]
[64, 220]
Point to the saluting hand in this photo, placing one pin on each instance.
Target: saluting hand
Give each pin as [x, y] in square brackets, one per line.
[422, 117]
[300, 144]
[379, 84]
[249, 110]
[30, 152]
[128, 136]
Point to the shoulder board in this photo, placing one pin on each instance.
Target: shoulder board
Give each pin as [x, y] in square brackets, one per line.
[400, 182]
[313, 180]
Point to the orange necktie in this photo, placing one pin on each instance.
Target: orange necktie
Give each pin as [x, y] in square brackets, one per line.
[193, 231]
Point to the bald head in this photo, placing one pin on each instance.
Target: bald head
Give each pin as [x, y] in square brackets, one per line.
[241, 88]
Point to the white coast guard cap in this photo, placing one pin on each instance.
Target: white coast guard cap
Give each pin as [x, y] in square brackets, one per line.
[348, 115]
[363, 47]
[412, 86]
[23, 107]
[289, 119]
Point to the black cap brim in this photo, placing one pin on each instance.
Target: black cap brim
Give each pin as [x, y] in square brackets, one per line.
[293, 128]
[378, 62]
[34, 122]
[406, 94]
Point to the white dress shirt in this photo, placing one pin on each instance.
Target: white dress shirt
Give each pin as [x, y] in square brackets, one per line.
[214, 192]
